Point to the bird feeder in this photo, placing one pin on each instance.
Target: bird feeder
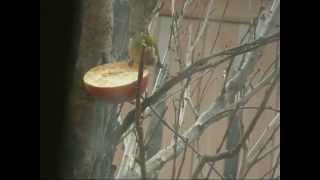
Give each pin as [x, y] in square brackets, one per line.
[115, 82]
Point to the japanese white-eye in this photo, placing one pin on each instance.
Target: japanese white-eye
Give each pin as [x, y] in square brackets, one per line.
[145, 41]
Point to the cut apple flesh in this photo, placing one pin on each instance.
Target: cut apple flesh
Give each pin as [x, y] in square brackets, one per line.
[114, 81]
[111, 79]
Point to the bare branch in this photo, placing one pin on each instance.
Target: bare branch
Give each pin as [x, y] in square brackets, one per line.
[231, 153]
[266, 154]
[128, 158]
[276, 166]
[174, 131]
[215, 170]
[202, 29]
[272, 170]
[138, 122]
[182, 162]
[228, 128]
[219, 27]
[196, 67]
[195, 131]
[195, 112]
[158, 160]
[225, 20]
[256, 108]
[272, 125]
[256, 159]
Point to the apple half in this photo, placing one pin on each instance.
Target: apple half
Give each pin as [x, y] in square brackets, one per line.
[115, 82]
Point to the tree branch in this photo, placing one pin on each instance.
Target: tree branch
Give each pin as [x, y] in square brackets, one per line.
[231, 153]
[254, 160]
[199, 65]
[158, 160]
[139, 125]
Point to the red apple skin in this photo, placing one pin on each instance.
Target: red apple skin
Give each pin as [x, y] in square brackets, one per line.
[118, 94]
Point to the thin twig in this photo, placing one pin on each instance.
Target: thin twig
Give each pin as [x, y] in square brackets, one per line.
[219, 26]
[206, 85]
[175, 137]
[226, 20]
[156, 10]
[195, 67]
[276, 166]
[215, 170]
[191, 70]
[182, 162]
[193, 133]
[195, 112]
[270, 126]
[177, 91]
[272, 170]
[228, 128]
[178, 135]
[227, 74]
[212, 168]
[273, 64]
[231, 153]
[119, 110]
[172, 130]
[266, 154]
[256, 108]
[252, 78]
[209, 173]
[150, 137]
[255, 159]
[230, 64]
[202, 28]
[214, 44]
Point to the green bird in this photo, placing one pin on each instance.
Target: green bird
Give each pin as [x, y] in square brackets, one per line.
[145, 41]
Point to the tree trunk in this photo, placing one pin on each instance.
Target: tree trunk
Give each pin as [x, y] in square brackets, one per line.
[95, 48]
[140, 15]
[120, 39]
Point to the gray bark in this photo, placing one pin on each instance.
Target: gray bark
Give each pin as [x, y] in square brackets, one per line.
[87, 113]
[121, 24]
[140, 15]
[233, 136]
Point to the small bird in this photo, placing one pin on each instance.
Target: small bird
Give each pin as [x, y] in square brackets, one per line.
[145, 41]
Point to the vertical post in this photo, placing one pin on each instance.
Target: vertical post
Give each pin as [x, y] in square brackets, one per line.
[139, 124]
